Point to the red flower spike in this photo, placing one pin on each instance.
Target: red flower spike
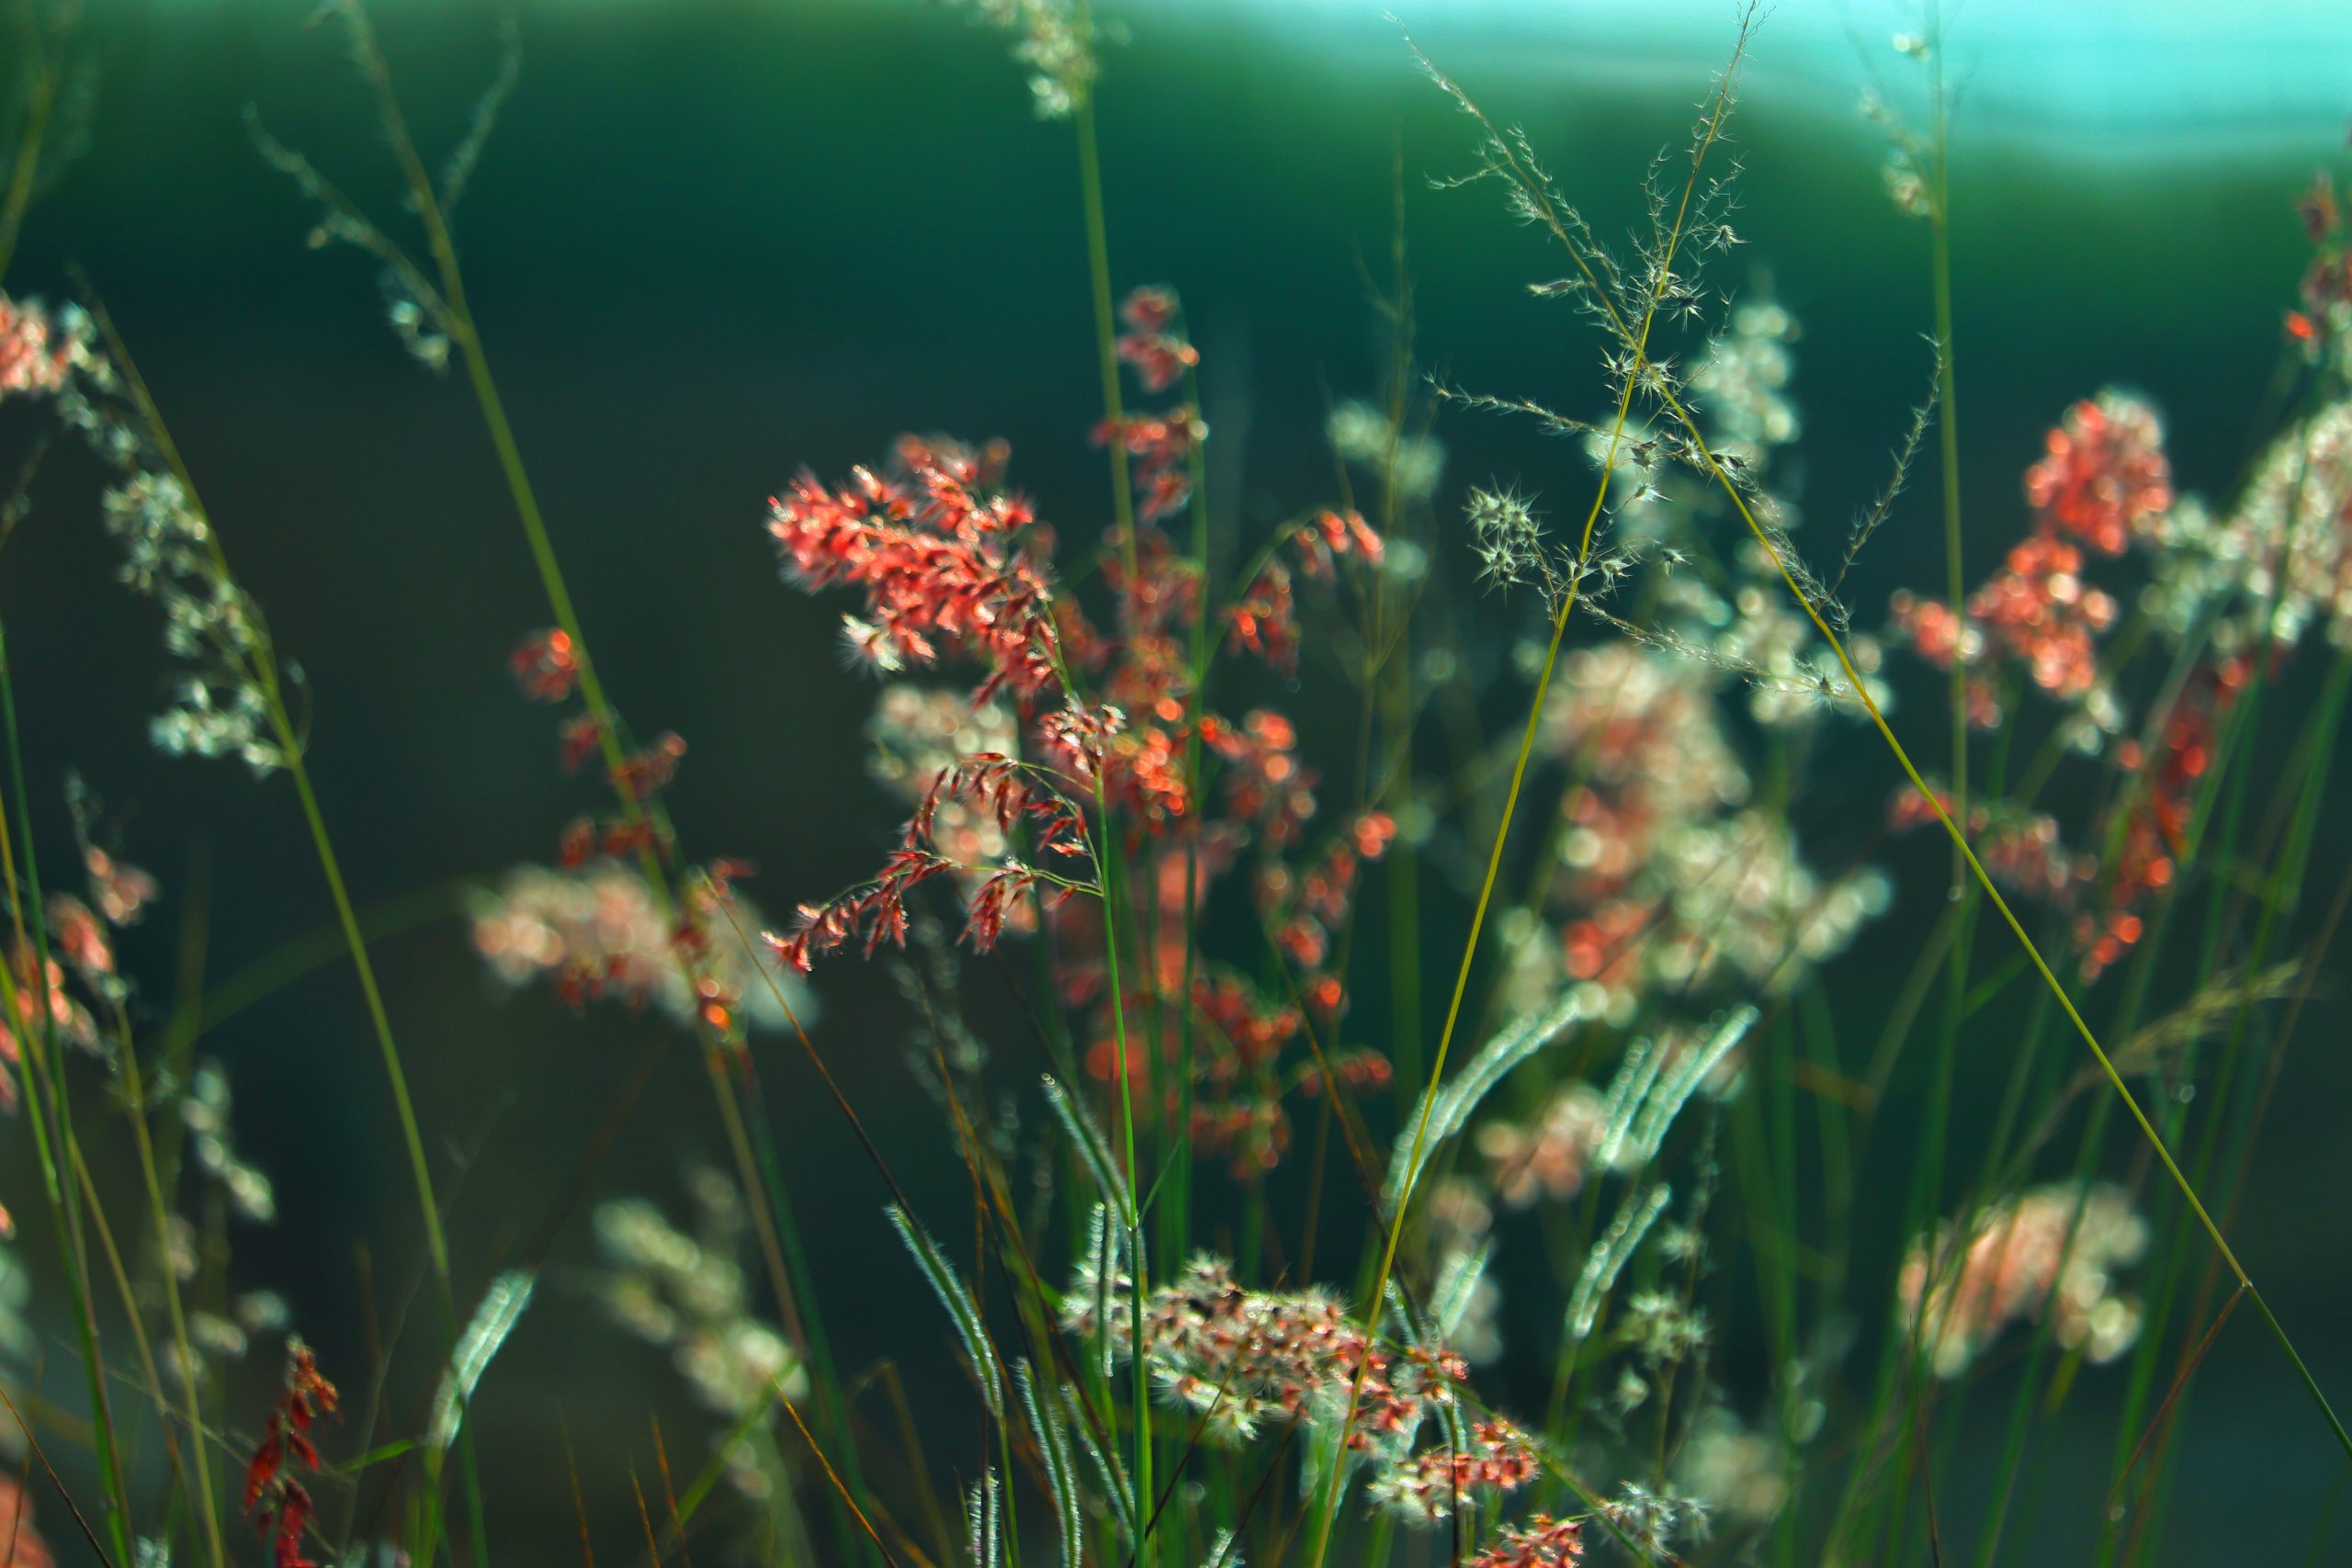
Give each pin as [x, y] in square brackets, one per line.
[279, 1503]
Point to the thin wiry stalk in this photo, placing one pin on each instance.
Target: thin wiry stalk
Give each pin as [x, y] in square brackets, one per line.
[1948, 426]
[1089, 166]
[160, 1214]
[1562, 220]
[449, 309]
[139, 1340]
[41, 107]
[266, 678]
[57, 1152]
[1106, 334]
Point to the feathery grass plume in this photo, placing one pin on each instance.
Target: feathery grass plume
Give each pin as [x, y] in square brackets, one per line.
[1459, 1278]
[1061, 1475]
[961, 1309]
[1446, 1109]
[983, 1522]
[1607, 1259]
[228, 670]
[1692, 1064]
[501, 1309]
[1111, 1485]
[1094, 1149]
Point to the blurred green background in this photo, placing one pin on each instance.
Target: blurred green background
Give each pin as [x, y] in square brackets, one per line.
[711, 242]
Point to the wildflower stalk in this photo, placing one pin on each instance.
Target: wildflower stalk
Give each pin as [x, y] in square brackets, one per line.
[1181, 1174]
[1928, 1185]
[1102, 843]
[2279, 895]
[39, 1052]
[264, 672]
[140, 1341]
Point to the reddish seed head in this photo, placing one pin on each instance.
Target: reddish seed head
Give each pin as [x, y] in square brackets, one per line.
[546, 665]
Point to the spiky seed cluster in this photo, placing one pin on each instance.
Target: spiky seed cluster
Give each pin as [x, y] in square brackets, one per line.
[1506, 534]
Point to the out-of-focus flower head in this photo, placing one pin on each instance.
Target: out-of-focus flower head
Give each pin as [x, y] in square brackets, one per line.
[2054, 1249]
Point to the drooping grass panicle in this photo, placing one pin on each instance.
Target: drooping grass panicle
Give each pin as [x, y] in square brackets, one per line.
[416, 311]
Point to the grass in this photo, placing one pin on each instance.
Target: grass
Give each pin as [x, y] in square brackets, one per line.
[1640, 1109]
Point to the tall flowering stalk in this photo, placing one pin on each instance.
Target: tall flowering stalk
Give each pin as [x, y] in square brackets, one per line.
[430, 313]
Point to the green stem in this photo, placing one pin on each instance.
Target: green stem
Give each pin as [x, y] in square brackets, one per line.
[40, 1054]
